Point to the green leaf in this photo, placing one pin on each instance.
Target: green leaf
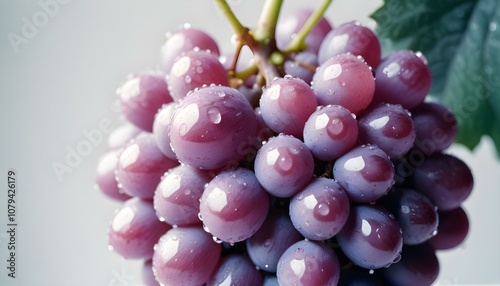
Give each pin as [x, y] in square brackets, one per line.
[461, 41]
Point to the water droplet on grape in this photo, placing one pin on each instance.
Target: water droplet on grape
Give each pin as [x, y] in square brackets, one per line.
[214, 115]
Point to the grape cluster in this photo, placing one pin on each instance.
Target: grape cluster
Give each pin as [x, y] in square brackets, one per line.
[327, 168]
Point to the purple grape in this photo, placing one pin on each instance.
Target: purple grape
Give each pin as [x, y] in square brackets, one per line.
[235, 269]
[161, 129]
[445, 179]
[303, 65]
[388, 126]
[452, 230]
[267, 245]
[148, 277]
[354, 38]
[234, 205]
[195, 69]
[140, 167]
[185, 256]
[320, 209]
[120, 136]
[135, 230]
[435, 125]
[330, 132]
[416, 213]
[212, 128]
[344, 80]
[105, 176]
[308, 263]
[286, 104]
[288, 27]
[366, 173]
[419, 266]
[402, 78]
[283, 165]
[371, 238]
[177, 197]
[141, 96]
[183, 40]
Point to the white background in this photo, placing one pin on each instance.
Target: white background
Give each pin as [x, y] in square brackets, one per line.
[63, 81]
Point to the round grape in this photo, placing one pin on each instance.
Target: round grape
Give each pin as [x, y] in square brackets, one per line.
[140, 167]
[195, 69]
[286, 104]
[234, 205]
[320, 209]
[344, 80]
[213, 127]
[141, 96]
[388, 126]
[185, 256]
[177, 197]
[308, 263]
[330, 132]
[283, 165]
[135, 230]
[354, 38]
[366, 173]
[402, 78]
[183, 40]
[371, 238]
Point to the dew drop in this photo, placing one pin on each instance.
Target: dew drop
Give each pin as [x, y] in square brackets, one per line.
[214, 115]
[187, 79]
[323, 209]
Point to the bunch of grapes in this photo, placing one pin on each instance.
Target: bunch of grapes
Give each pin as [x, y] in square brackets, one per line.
[317, 162]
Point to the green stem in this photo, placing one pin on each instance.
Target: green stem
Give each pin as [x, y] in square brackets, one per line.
[265, 29]
[248, 72]
[238, 28]
[298, 43]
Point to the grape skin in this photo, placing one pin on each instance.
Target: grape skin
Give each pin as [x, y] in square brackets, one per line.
[140, 167]
[234, 205]
[354, 38]
[308, 263]
[141, 96]
[185, 256]
[283, 165]
[183, 40]
[286, 104]
[135, 229]
[366, 173]
[212, 128]
[344, 80]
[330, 132]
[371, 237]
[320, 209]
